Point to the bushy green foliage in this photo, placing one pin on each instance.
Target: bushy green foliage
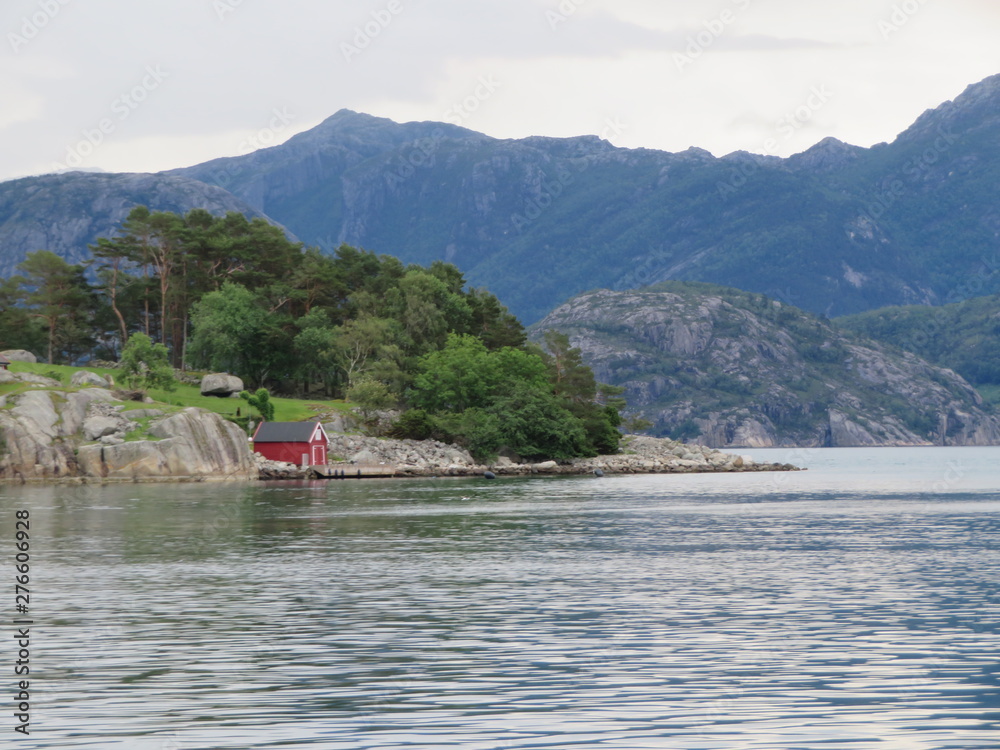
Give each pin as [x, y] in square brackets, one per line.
[146, 365]
[414, 424]
[236, 296]
[261, 401]
[371, 396]
[57, 301]
[234, 332]
[465, 374]
[530, 403]
[535, 425]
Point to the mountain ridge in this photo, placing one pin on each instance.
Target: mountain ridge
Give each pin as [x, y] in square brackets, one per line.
[91, 205]
[836, 228]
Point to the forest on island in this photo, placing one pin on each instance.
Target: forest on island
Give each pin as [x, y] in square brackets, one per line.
[230, 294]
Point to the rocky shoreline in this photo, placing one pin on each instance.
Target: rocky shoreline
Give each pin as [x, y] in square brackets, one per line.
[51, 434]
[429, 458]
[48, 434]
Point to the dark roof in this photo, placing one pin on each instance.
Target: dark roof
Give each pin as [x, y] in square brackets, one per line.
[284, 432]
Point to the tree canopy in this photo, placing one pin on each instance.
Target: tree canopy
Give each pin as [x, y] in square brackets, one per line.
[145, 365]
[230, 294]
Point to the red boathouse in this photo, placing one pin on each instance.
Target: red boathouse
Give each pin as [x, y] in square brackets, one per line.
[300, 443]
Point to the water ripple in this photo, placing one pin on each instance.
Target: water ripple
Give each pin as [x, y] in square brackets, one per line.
[645, 612]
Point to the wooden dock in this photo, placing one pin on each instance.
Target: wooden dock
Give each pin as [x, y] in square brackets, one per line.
[353, 471]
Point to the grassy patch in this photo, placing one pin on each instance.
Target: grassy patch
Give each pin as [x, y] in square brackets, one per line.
[62, 373]
[285, 409]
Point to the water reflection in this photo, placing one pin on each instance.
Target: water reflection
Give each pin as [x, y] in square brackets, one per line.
[830, 610]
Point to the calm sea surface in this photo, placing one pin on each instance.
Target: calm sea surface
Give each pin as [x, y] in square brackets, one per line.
[856, 605]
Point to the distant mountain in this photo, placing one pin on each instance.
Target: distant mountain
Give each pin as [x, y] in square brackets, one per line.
[64, 213]
[730, 368]
[837, 229]
[964, 336]
[306, 181]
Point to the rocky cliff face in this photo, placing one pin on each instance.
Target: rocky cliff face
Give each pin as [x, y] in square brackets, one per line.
[53, 434]
[735, 369]
[191, 444]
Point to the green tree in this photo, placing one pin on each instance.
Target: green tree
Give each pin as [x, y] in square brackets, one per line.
[58, 295]
[146, 365]
[261, 401]
[492, 322]
[570, 377]
[18, 329]
[359, 339]
[113, 258]
[317, 352]
[594, 404]
[155, 242]
[316, 280]
[536, 425]
[465, 374]
[455, 378]
[234, 332]
[371, 396]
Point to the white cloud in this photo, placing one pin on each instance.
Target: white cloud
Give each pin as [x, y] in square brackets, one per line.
[562, 74]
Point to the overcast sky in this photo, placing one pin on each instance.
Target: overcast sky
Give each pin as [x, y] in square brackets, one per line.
[151, 85]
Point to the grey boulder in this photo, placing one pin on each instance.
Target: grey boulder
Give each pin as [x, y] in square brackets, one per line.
[98, 427]
[87, 378]
[19, 355]
[220, 384]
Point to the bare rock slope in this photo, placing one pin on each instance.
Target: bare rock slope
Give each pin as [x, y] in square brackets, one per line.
[48, 434]
[731, 368]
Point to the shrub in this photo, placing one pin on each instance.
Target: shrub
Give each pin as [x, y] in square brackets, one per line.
[414, 424]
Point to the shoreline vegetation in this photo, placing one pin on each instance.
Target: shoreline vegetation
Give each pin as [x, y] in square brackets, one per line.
[443, 370]
[72, 429]
[430, 458]
[171, 293]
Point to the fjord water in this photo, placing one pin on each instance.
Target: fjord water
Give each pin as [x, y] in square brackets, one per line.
[854, 605]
